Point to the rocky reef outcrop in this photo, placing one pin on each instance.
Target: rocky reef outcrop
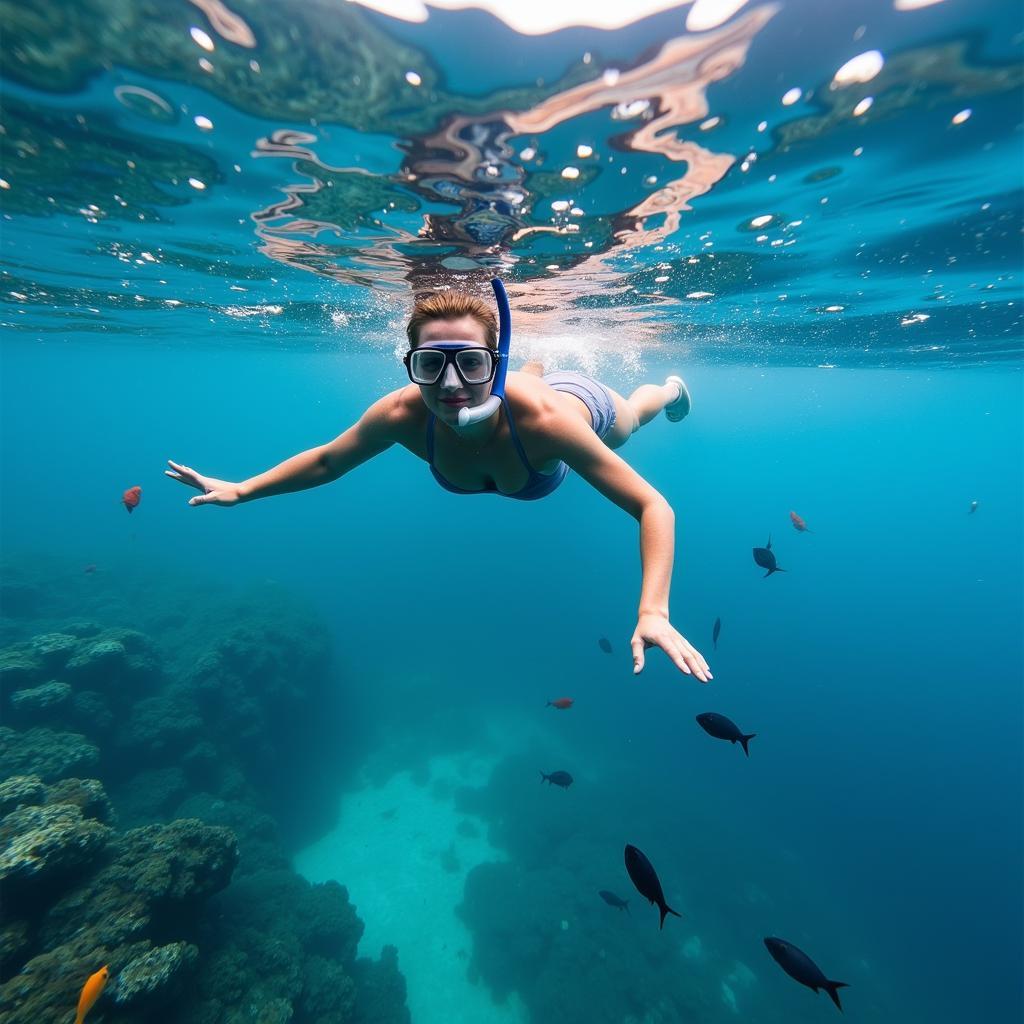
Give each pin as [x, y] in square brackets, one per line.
[141, 790]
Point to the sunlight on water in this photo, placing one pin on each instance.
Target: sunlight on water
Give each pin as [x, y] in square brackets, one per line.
[816, 182]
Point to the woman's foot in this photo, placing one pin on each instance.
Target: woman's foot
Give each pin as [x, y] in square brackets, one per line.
[678, 408]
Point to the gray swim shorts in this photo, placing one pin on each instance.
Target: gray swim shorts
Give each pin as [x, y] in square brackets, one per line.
[594, 395]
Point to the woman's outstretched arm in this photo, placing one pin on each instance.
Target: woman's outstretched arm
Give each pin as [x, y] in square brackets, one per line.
[373, 433]
[576, 444]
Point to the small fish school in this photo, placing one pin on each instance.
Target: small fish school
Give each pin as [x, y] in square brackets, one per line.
[796, 963]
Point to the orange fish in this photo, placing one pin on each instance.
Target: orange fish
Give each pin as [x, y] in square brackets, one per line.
[91, 991]
[798, 524]
[131, 497]
[563, 703]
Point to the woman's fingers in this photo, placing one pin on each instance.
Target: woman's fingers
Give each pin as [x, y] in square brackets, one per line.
[637, 644]
[684, 656]
[678, 655]
[185, 475]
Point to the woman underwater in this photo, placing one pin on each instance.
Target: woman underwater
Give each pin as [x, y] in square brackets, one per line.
[542, 426]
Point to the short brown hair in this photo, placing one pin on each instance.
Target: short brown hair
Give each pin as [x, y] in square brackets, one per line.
[452, 306]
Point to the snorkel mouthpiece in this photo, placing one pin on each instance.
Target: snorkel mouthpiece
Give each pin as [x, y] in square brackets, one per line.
[491, 404]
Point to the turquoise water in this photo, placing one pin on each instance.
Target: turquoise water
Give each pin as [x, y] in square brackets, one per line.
[877, 823]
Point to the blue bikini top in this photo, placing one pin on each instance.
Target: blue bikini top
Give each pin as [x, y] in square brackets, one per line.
[538, 485]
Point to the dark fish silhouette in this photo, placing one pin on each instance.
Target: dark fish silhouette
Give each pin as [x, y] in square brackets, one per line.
[563, 779]
[645, 878]
[716, 631]
[766, 559]
[723, 728]
[613, 901]
[605, 644]
[973, 508]
[800, 967]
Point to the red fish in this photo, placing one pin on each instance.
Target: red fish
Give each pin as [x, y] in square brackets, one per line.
[131, 497]
[798, 524]
[563, 703]
[91, 991]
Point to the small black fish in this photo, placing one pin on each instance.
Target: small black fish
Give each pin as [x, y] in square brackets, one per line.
[716, 631]
[800, 967]
[723, 728]
[605, 644]
[613, 901]
[563, 779]
[645, 878]
[766, 559]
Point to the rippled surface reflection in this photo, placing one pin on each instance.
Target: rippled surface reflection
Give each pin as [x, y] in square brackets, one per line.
[788, 182]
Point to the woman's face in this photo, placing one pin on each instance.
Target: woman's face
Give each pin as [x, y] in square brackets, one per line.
[445, 398]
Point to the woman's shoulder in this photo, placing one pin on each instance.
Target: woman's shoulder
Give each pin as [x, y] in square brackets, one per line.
[400, 413]
[530, 399]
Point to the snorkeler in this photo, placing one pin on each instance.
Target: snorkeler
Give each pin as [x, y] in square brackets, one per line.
[518, 436]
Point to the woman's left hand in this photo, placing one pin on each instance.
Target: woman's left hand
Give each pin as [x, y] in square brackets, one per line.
[656, 631]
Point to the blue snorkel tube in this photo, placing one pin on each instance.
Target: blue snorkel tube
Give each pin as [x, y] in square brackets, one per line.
[492, 403]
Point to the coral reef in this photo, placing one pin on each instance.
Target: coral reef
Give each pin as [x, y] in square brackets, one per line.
[36, 701]
[142, 787]
[43, 752]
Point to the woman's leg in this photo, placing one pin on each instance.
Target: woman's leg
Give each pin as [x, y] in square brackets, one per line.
[639, 409]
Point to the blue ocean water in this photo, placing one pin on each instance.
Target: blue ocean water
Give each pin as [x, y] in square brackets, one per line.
[841, 290]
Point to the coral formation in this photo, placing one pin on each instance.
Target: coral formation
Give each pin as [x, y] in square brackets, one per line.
[36, 701]
[37, 843]
[141, 793]
[43, 752]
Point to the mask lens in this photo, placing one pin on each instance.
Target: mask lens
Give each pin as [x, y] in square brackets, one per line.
[476, 364]
[425, 365]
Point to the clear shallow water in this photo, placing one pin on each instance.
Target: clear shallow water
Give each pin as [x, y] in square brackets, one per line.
[877, 822]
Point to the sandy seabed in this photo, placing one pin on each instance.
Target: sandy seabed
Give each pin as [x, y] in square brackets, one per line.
[401, 853]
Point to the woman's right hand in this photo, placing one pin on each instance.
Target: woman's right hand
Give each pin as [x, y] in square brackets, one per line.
[215, 492]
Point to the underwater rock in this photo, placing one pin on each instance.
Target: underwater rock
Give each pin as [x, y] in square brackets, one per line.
[183, 861]
[21, 791]
[201, 762]
[18, 668]
[150, 888]
[380, 989]
[295, 943]
[41, 842]
[153, 878]
[53, 649]
[259, 843]
[43, 752]
[167, 722]
[113, 658]
[91, 712]
[320, 916]
[285, 950]
[36, 702]
[87, 795]
[149, 797]
[157, 972]
[14, 940]
[97, 656]
[328, 992]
